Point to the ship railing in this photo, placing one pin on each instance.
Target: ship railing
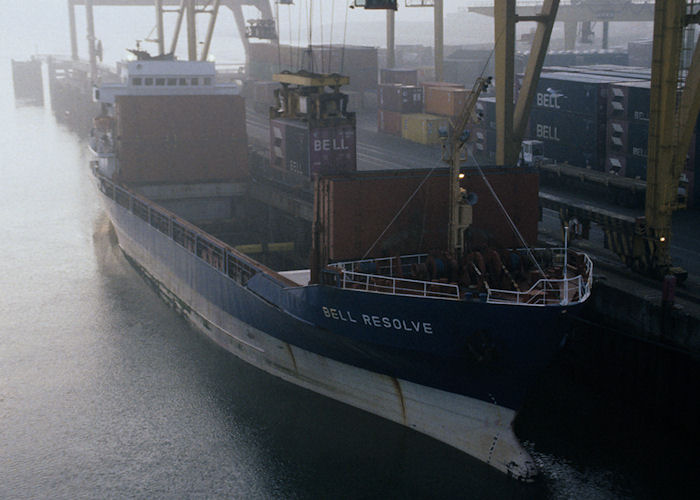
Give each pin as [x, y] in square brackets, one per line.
[215, 253]
[385, 266]
[384, 275]
[552, 291]
[395, 286]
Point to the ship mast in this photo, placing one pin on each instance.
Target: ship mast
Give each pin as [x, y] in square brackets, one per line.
[460, 207]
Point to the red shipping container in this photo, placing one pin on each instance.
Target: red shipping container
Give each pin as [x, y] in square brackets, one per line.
[355, 210]
[181, 139]
[389, 122]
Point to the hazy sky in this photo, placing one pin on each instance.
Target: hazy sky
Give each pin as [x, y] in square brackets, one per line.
[30, 27]
[41, 26]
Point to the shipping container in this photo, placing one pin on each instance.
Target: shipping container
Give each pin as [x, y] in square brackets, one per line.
[423, 128]
[333, 149]
[289, 146]
[482, 144]
[413, 56]
[401, 76]
[639, 53]
[181, 139]
[465, 65]
[401, 98]
[607, 70]
[573, 137]
[483, 139]
[445, 101]
[573, 155]
[297, 148]
[465, 71]
[486, 110]
[629, 101]
[356, 211]
[579, 58]
[628, 138]
[389, 122]
[577, 93]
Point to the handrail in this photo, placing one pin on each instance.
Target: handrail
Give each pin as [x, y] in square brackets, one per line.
[385, 264]
[397, 286]
[214, 252]
[549, 291]
[367, 275]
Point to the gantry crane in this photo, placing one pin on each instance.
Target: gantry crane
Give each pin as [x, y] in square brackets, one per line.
[512, 117]
[674, 107]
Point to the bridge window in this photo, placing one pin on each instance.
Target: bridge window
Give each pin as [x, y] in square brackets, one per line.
[149, 81]
[172, 81]
[136, 81]
[207, 81]
[183, 81]
[194, 81]
[160, 81]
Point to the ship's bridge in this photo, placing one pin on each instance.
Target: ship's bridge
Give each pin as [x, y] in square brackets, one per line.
[170, 77]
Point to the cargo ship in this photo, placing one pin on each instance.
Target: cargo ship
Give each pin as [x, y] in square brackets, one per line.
[441, 343]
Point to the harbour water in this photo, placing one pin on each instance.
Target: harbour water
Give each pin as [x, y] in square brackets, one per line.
[105, 392]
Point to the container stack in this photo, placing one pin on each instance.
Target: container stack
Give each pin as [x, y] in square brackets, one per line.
[394, 100]
[444, 99]
[628, 136]
[423, 128]
[628, 129]
[466, 65]
[482, 142]
[397, 94]
[441, 101]
[569, 115]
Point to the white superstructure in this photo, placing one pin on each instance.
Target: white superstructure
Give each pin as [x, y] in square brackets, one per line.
[164, 77]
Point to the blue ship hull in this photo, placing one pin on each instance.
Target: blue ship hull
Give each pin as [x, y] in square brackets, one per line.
[490, 352]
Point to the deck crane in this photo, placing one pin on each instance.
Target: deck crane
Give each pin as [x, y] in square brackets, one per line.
[674, 107]
[453, 144]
